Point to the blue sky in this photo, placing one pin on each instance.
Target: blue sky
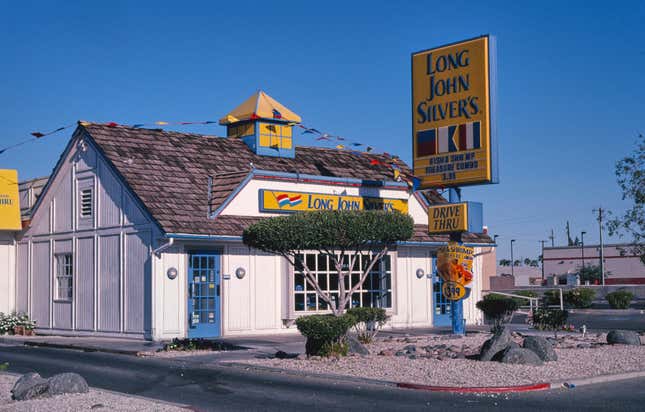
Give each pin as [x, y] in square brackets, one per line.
[570, 86]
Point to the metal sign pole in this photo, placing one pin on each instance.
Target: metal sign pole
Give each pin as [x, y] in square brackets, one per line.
[456, 306]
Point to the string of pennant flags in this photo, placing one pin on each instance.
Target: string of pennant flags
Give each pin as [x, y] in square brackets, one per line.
[336, 141]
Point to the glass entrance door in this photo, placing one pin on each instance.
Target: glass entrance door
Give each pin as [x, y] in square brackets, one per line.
[440, 305]
[204, 315]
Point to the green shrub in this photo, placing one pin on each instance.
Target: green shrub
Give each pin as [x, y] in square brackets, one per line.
[499, 310]
[552, 297]
[549, 319]
[368, 322]
[325, 333]
[519, 301]
[580, 297]
[619, 299]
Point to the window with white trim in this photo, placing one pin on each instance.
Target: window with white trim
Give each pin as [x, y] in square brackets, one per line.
[376, 291]
[64, 277]
[86, 206]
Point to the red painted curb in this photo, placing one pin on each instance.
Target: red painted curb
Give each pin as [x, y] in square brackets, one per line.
[491, 389]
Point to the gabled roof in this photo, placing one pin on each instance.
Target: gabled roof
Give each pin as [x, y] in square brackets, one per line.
[169, 171]
[260, 105]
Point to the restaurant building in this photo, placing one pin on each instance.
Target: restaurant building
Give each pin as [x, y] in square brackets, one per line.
[138, 233]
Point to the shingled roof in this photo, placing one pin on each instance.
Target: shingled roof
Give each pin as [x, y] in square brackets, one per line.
[169, 172]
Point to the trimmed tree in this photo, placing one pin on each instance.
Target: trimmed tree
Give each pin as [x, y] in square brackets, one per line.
[340, 235]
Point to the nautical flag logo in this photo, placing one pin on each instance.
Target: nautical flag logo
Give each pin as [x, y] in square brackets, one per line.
[277, 114]
[286, 200]
[449, 139]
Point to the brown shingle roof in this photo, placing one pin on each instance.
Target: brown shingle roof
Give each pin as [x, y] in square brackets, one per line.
[169, 173]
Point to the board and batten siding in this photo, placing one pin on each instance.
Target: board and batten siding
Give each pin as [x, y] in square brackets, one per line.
[112, 284]
[7, 272]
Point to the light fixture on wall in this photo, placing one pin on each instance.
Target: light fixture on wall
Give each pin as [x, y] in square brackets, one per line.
[171, 273]
[420, 273]
[240, 273]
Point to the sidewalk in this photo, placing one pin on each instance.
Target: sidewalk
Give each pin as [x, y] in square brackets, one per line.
[86, 343]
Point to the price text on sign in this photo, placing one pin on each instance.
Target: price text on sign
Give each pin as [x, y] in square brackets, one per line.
[453, 290]
[452, 107]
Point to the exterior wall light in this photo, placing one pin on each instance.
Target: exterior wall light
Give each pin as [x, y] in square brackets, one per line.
[420, 273]
[240, 273]
[171, 273]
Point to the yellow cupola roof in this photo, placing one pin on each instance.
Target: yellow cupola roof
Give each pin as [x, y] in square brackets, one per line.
[260, 106]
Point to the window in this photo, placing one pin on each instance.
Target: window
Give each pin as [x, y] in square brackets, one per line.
[275, 136]
[64, 272]
[376, 291]
[86, 202]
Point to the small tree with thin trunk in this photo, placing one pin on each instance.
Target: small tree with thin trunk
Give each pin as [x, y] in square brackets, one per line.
[340, 235]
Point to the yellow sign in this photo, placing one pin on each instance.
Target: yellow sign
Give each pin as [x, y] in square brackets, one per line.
[289, 202]
[455, 266]
[448, 218]
[9, 203]
[453, 290]
[451, 114]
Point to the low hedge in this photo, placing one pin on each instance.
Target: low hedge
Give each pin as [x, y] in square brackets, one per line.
[499, 310]
[619, 299]
[325, 333]
[368, 322]
[549, 319]
[580, 297]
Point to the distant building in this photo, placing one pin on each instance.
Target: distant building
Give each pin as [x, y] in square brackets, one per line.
[622, 266]
[523, 275]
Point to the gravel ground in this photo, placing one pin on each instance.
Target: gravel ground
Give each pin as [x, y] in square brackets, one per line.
[437, 367]
[95, 400]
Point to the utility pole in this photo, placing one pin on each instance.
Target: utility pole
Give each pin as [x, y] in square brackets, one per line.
[542, 242]
[602, 248]
[512, 261]
[552, 237]
[582, 242]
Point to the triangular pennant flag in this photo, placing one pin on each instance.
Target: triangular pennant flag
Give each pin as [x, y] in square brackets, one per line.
[37, 135]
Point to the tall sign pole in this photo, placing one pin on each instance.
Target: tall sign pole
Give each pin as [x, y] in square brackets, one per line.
[454, 145]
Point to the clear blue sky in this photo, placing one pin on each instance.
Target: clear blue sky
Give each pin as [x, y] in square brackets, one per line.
[571, 94]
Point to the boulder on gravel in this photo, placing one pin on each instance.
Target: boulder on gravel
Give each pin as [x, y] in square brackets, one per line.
[623, 337]
[67, 383]
[410, 348]
[521, 356]
[497, 343]
[542, 347]
[285, 355]
[29, 386]
[356, 347]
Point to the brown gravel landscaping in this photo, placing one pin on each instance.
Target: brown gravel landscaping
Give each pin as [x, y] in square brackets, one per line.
[444, 361]
[95, 400]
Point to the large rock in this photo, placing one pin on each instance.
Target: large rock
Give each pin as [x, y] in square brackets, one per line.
[497, 343]
[67, 383]
[542, 347]
[624, 337]
[29, 386]
[521, 356]
[356, 347]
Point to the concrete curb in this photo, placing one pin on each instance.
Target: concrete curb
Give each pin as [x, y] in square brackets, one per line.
[86, 348]
[569, 384]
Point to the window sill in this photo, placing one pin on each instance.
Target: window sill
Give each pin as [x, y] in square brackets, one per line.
[62, 301]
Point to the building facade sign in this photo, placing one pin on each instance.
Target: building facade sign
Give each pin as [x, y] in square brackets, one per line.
[452, 108]
[277, 201]
[9, 202]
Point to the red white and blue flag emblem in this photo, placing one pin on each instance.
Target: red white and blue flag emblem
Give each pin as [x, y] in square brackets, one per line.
[286, 200]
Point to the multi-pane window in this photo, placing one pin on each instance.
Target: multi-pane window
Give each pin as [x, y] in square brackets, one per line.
[86, 202]
[64, 277]
[376, 291]
[276, 136]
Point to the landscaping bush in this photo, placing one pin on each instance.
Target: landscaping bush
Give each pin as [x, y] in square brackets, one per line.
[619, 299]
[368, 322]
[499, 310]
[549, 319]
[580, 297]
[552, 297]
[325, 333]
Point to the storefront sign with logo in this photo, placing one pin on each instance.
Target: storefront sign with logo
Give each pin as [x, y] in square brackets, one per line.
[455, 267]
[9, 203]
[277, 201]
[455, 217]
[452, 112]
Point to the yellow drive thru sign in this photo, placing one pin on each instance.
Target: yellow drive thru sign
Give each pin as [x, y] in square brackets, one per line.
[9, 203]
